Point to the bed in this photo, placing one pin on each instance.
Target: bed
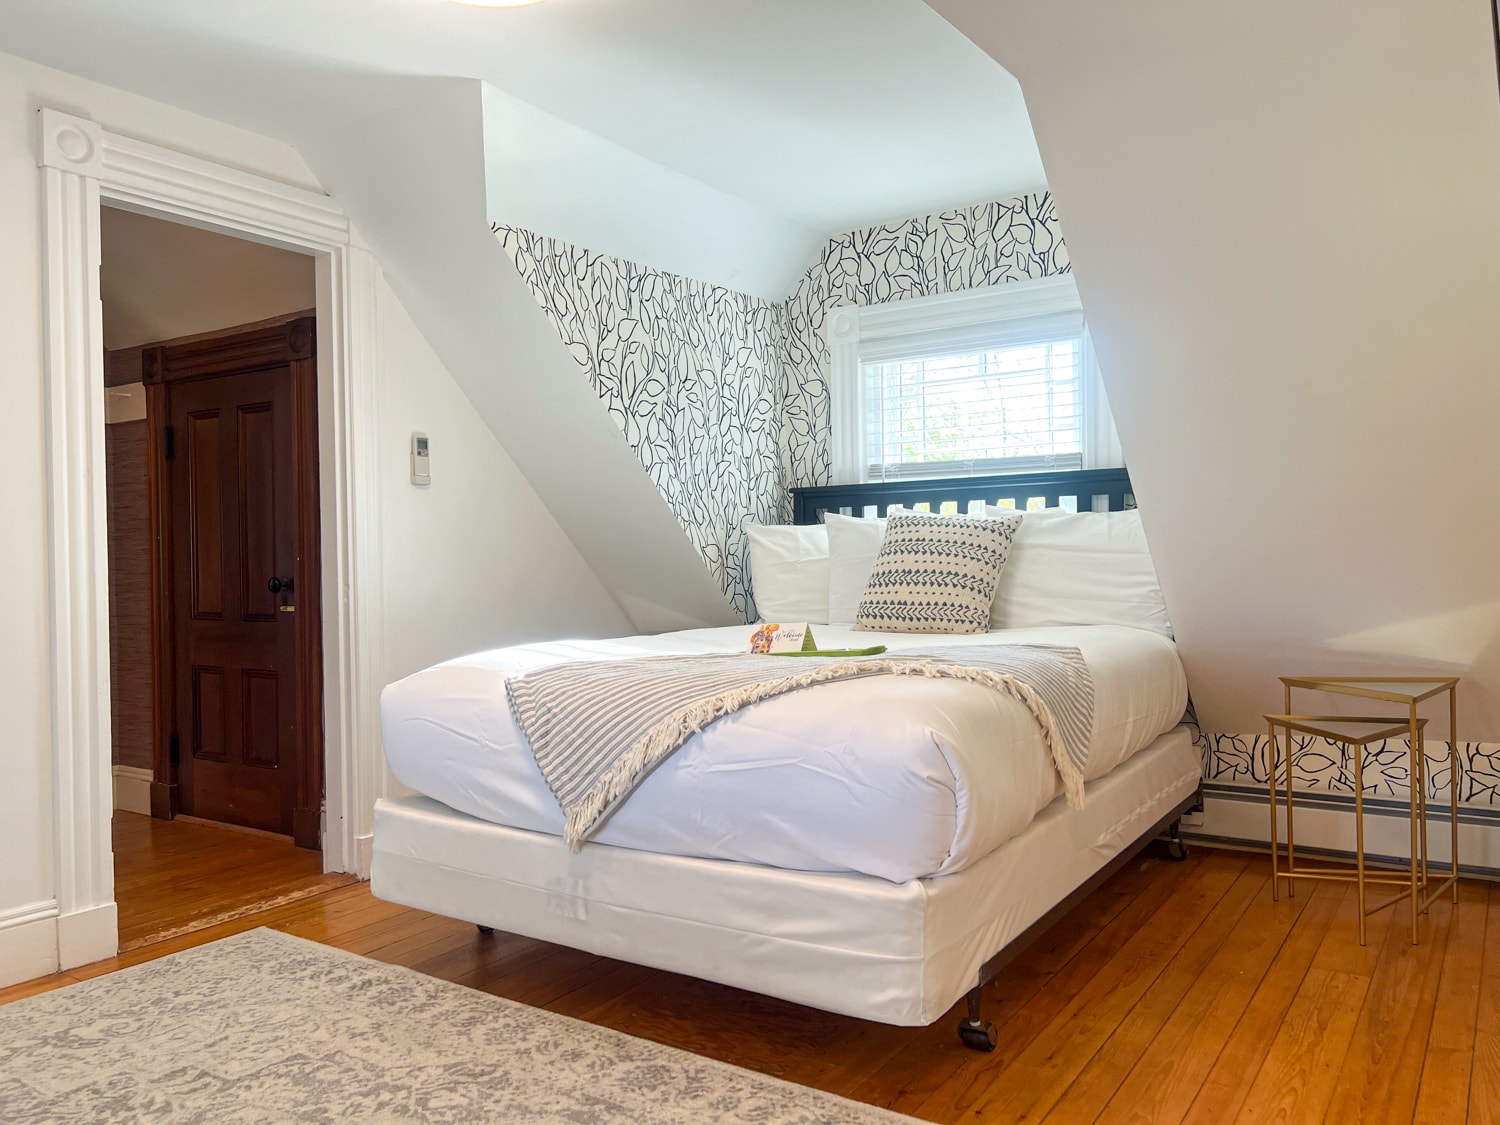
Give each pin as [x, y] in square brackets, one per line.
[877, 847]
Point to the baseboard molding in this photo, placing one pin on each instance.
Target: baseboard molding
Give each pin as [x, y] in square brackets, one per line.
[132, 789]
[28, 942]
[86, 936]
[364, 853]
[1325, 825]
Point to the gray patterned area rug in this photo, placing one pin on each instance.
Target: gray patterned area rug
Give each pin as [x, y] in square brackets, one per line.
[264, 1027]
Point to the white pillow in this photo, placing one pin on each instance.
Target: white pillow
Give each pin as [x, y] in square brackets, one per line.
[853, 544]
[789, 572]
[1084, 568]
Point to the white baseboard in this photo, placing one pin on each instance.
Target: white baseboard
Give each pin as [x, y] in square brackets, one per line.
[88, 935]
[132, 789]
[28, 942]
[1325, 823]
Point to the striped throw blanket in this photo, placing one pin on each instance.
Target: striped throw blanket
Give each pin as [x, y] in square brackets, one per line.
[598, 729]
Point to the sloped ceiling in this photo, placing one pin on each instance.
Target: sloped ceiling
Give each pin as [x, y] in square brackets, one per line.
[1284, 219]
[829, 115]
[545, 175]
[705, 137]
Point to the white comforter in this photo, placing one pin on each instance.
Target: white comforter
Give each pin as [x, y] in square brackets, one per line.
[893, 777]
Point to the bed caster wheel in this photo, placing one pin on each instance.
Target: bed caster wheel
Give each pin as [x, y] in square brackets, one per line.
[485, 930]
[1177, 850]
[978, 1035]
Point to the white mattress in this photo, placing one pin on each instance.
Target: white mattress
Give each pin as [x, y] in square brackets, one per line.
[886, 776]
[898, 953]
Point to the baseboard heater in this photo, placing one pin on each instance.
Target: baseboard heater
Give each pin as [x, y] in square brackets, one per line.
[1237, 815]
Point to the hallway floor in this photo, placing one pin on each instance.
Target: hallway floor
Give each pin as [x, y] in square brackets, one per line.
[173, 877]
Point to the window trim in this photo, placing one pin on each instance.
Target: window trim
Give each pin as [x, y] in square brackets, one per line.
[853, 328]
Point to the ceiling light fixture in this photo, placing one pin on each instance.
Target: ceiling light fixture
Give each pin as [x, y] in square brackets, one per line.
[495, 3]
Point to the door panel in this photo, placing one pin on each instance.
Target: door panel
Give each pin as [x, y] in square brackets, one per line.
[208, 714]
[205, 520]
[257, 511]
[235, 641]
[262, 719]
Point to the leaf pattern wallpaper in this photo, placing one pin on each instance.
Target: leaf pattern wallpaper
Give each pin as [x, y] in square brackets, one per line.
[723, 396]
[690, 372]
[1322, 766]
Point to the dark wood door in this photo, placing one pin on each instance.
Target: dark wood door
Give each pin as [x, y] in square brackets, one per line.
[240, 578]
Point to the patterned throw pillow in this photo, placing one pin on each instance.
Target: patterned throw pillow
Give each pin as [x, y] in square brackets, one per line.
[936, 575]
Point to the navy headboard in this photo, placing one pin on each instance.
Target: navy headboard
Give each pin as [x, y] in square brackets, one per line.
[957, 493]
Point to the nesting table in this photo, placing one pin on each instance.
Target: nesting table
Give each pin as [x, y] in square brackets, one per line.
[1355, 733]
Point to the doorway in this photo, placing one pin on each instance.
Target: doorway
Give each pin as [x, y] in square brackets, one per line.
[214, 572]
[84, 166]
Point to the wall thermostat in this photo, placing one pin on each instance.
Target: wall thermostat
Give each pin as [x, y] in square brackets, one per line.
[421, 471]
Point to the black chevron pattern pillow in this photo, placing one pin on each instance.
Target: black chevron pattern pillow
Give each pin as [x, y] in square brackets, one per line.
[936, 575]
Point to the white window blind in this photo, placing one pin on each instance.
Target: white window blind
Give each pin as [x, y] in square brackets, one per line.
[991, 380]
[1007, 397]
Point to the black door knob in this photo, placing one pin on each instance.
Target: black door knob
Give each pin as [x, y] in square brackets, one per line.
[276, 585]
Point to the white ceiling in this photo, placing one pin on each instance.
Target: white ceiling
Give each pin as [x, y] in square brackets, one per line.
[161, 280]
[834, 114]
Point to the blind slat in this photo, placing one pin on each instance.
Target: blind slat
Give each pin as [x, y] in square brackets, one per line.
[1016, 401]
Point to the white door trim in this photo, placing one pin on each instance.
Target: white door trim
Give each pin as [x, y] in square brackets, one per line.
[84, 165]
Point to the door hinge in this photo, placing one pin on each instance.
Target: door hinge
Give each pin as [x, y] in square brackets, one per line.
[173, 749]
[168, 442]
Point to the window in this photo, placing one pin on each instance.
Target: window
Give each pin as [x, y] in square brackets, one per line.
[992, 380]
[1011, 405]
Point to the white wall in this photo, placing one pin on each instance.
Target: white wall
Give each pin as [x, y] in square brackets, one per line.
[1284, 219]
[537, 582]
[467, 555]
[548, 176]
[412, 177]
[473, 560]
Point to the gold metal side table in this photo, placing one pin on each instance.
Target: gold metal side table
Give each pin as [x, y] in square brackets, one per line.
[1355, 733]
[1407, 692]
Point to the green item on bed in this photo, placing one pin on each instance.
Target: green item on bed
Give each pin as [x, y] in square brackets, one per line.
[873, 650]
[772, 639]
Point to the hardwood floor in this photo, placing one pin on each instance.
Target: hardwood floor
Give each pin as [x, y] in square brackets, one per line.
[1176, 992]
[176, 876]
